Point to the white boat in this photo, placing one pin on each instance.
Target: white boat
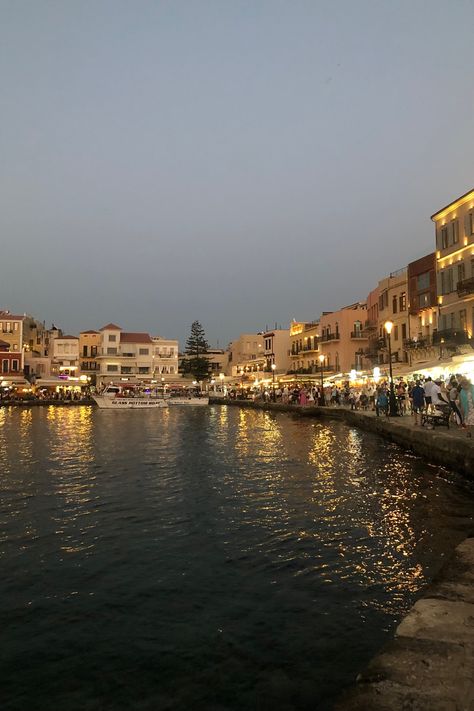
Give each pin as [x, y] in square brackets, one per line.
[113, 398]
[190, 401]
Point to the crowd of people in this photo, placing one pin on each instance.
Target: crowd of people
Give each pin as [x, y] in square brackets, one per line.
[454, 397]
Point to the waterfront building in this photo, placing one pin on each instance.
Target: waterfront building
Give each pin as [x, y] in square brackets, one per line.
[371, 331]
[11, 333]
[246, 354]
[218, 360]
[38, 348]
[165, 358]
[65, 357]
[342, 339]
[135, 357]
[422, 344]
[304, 347]
[393, 306]
[276, 350]
[10, 364]
[454, 231]
[89, 347]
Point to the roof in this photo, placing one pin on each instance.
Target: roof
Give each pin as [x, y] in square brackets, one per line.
[67, 338]
[3, 344]
[97, 332]
[135, 338]
[111, 327]
[11, 317]
[450, 204]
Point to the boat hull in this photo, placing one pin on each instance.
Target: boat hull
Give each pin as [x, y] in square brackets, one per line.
[128, 403]
[189, 401]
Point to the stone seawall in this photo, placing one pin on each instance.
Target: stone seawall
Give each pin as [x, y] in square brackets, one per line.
[449, 448]
[429, 665]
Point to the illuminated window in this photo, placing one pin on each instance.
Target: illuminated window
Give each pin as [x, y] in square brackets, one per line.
[403, 301]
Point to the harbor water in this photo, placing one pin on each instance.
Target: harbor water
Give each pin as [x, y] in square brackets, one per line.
[217, 558]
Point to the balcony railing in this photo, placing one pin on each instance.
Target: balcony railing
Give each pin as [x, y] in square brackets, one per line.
[449, 336]
[417, 343]
[465, 287]
[330, 336]
[358, 334]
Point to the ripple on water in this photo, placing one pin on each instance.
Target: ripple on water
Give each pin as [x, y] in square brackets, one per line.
[224, 558]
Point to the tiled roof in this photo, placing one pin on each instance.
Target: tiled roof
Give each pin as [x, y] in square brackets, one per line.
[135, 338]
[91, 331]
[111, 327]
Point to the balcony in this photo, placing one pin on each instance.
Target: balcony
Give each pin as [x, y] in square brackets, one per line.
[330, 337]
[465, 287]
[411, 344]
[369, 326]
[452, 336]
[358, 334]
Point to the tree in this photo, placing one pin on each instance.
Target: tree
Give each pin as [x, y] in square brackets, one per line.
[197, 347]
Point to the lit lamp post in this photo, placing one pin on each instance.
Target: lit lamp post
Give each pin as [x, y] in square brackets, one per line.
[392, 401]
[273, 381]
[321, 395]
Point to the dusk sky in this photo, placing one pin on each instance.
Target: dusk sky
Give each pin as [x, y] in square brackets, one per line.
[238, 163]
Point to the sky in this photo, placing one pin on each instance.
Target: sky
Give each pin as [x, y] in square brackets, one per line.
[240, 163]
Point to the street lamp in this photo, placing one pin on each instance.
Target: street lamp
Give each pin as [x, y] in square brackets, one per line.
[273, 381]
[392, 401]
[321, 395]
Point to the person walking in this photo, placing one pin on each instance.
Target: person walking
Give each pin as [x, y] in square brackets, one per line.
[466, 398]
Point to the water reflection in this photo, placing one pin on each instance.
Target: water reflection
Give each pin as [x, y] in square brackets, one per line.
[192, 554]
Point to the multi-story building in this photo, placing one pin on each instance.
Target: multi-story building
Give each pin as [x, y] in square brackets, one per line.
[393, 306]
[304, 347]
[10, 363]
[11, 333]
[371, 330]
[218, 359]
[454, 227]
[276, 350]
[135, 357]
[246, 354]
[342, 338]
[165, 358]
[422, 309]
[65, 357]
[89, 347]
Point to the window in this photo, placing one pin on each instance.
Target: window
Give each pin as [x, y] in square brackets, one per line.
[455, 231]
[93, 351]
[15, 326]
[112, 368]
[463, 319]
[143, 370]
[394, 304]
[4, 366]
[143, 351]
[404, 331]
[444, 237]
[403, 301]
[423, 300]
[443, 283]
[471, 224]
[84, 351]
[112, 338]
[395, 333]
[423, 281]
[15, 366]
[125, 370]
[450, 281]
[112, 351]
[461, 272]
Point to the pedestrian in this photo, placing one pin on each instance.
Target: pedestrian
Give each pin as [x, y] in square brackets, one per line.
[381, 403]
[418, 398]
[466, 398]
[453, 395]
